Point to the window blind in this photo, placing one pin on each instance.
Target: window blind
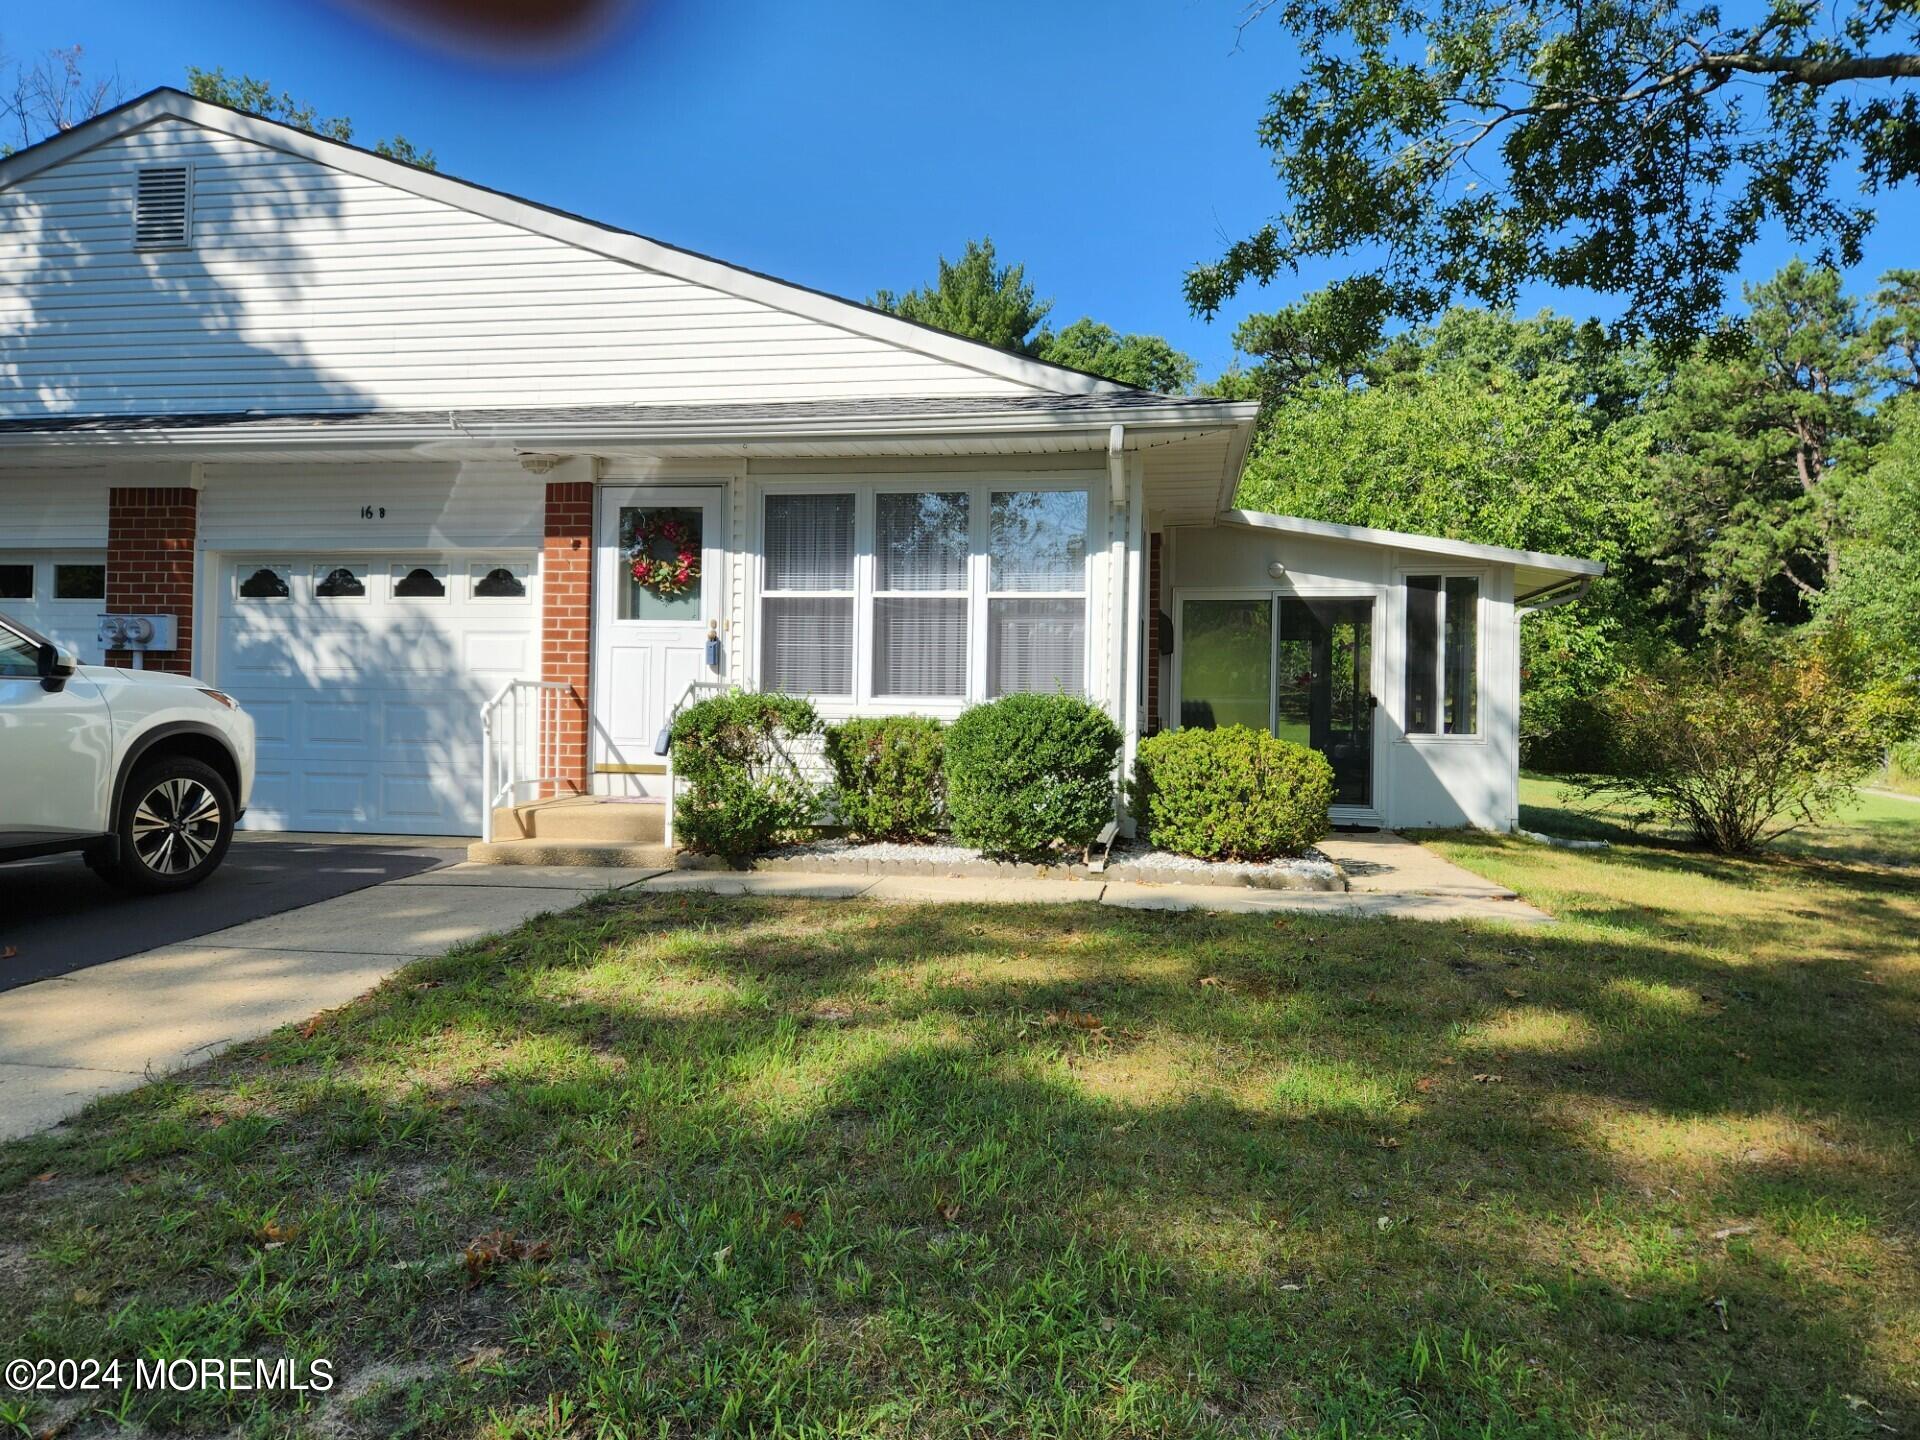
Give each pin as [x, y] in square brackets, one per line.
[806, 645]
[1039, 540]
[1036, 645]
[809, 542]
[920, 647]
[921, 542]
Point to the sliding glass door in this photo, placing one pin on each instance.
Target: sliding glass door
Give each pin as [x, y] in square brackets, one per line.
[1301, 667]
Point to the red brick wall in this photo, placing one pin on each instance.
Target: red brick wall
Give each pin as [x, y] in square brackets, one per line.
[150, 555]
[566, 590]
[1153, 633]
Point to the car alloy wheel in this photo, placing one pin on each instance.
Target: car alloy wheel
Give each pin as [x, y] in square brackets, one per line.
[176, 826]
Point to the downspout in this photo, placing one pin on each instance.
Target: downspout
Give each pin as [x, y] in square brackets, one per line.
[1135, 632]
[1117, 601]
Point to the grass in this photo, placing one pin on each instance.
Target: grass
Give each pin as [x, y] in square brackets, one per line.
[681, 1165]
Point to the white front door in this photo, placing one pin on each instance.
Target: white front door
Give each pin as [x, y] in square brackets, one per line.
[651, 634]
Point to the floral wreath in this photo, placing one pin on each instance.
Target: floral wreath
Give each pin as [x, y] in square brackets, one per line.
[664, 577]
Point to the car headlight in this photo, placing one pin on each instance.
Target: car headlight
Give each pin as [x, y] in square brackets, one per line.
[226, 700]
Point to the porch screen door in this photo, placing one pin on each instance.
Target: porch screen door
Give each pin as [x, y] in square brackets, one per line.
[650, 636]
[1324, 698]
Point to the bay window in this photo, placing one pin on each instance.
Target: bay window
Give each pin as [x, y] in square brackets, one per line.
[932, 596]
[1443, 655]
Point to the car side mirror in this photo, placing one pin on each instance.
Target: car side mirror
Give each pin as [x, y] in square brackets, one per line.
[57, 664]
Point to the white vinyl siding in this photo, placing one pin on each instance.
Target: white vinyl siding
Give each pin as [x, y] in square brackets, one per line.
[926, 597]
[308, 288]
[371, 507]
[60, 506]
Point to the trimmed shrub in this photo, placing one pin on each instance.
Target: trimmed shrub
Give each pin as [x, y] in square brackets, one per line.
[1745, 740]
[888, 778]
[743, 789]
[1031, 775]
[1231, 794]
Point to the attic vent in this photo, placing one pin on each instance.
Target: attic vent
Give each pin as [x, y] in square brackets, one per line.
[162, 214]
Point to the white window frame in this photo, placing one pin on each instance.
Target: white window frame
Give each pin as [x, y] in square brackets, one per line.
[980, 488]
[1477, 735]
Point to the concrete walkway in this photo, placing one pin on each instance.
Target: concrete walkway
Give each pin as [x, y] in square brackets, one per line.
[68, 1040]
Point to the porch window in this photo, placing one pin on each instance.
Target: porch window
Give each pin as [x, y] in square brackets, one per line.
[1443, 655]
[806, 613]
[931, 596]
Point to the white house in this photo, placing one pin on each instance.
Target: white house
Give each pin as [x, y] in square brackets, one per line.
[375, 438]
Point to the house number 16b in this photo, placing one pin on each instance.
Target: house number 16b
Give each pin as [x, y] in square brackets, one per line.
[369, 512]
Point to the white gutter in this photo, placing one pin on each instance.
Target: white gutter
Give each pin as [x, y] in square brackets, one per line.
[1563, 593]
[562, 436]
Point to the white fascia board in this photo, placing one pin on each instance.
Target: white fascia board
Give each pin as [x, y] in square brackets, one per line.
[1402, 540]
[186, 442]
[616, 244]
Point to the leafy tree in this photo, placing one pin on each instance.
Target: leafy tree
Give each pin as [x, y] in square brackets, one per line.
[1631, 147]
[977, 297]
[1876, 589]
[983, 300]
[1492, 458]
[257, 97]
[1748, 433]
[1146, 361]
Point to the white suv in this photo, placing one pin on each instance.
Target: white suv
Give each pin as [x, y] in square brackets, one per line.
[145, 773]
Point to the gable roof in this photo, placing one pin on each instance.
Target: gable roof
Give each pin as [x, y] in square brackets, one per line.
[627, 246]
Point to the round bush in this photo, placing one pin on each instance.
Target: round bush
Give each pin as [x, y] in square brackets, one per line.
[889, 781]
[743, 790]
[1030, 775]
[1231, 794]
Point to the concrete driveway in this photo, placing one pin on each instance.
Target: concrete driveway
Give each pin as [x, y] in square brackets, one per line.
[57, 916]
[104, 1028]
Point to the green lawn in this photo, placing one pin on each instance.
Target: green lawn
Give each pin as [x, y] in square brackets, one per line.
[826, 1168]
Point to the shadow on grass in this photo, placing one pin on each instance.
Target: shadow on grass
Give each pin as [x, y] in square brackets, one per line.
[1043, 1171]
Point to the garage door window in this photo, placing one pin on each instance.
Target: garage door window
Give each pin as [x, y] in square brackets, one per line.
[418, 582]
[79, 582]
[338, 582]
[269, 582]
[16, 582]
[497, 582]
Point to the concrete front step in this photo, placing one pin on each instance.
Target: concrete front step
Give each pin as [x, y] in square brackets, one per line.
[584, 819]
[570, 852]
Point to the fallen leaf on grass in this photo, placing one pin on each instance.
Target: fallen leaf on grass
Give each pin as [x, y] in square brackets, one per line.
[274, 1234]
[1486, 1078]
[86, 1299]
[1743, 1057]
[1076, 1020]
[947, 1210]
[480, 1355]
[1731, 1231]
[1424, 1084]
[1388, 1142]
[1720, 1308]
[488, 1252]
[1208, 982]
[45, 1177]
[794, 1219]
[1516, 994]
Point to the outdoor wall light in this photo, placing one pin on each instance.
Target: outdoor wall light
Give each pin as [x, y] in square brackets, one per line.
[1277, 570]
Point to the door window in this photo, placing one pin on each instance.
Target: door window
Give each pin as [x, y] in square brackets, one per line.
[1325, 696]
[661, 567]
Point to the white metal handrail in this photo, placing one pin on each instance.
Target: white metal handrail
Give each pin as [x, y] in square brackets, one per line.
[696, 691]
[519, 745]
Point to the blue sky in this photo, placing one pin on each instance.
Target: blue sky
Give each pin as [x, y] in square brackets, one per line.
[844, 145]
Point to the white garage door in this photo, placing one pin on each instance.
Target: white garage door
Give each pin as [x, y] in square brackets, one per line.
[365, 674]
[60, 593]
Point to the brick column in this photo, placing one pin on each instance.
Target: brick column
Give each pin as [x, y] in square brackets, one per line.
[566, 591]
[150, 563]
[1153, 633]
